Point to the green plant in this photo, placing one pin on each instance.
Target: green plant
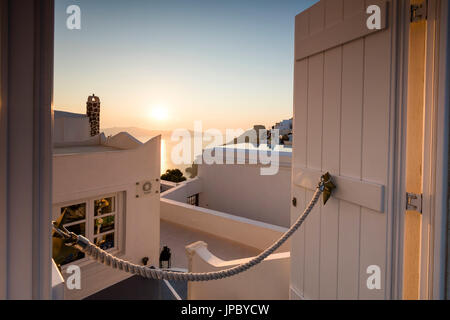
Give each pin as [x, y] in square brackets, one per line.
[173, 175]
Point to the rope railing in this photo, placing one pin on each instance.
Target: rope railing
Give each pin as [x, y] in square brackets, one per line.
[94, 252]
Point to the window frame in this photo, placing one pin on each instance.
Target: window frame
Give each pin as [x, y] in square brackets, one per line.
[90, 218]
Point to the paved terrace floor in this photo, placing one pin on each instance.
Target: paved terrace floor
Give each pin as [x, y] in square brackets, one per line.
[178, 237]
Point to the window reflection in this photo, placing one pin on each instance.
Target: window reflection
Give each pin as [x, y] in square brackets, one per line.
[104, 224]
[74, 213]
[78, 228]
[105, 242]
[104, 206]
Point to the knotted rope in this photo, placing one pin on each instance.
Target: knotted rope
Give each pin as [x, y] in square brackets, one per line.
[101, 256]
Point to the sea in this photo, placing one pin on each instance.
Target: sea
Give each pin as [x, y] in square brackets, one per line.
[167, 146]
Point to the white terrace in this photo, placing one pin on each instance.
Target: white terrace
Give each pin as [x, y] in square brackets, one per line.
[223, 217]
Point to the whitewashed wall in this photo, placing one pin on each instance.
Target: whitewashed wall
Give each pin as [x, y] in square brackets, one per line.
[68, 128]
[251, 233]
[243, 191]
[254, 284]
[85, 175]
[343, 123]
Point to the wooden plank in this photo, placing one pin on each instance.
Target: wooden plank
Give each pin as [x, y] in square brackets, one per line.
[302, 26]
[312, 252]
[363, 193]
[316, 18]
[300, 122]
[329, 250]
[300, 127]
[375, 156]
[314, 160]
[348, 259]
[350, 166]
[330, 161]
[352, 28]
[414, 155]
[351, 114]
[352, 7]
[332, 111]
[375, 133]
[298, 243]
[315, 111]
[372, 252]
[334, 12]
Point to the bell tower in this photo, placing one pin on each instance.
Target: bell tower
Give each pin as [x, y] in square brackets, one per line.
[93, 113]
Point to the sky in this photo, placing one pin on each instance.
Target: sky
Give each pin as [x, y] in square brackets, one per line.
[161, 65]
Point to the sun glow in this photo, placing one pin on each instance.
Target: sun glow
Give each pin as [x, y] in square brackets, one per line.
[160, 113]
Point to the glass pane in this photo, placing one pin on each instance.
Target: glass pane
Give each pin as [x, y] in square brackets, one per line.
[104, 206]
[79, 229]
[74, 213]
[72, 256]
[104, 224]
[105, 242]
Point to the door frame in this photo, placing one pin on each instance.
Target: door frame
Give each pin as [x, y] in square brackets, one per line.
[435, 162]
[26, 90]
[3, 146]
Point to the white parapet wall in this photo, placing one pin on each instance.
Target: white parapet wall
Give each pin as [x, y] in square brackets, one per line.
[181, 191]
[57, 283]
[267, 281]
[251, 233]
[255, 234]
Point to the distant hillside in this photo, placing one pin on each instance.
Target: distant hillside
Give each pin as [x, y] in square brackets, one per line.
[136, 132]
[166, 134]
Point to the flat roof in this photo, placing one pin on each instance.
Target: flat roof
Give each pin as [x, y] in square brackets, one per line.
[83, 149]
[282, 150]
[65, 114]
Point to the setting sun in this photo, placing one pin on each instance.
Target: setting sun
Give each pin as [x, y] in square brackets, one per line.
[160, 113]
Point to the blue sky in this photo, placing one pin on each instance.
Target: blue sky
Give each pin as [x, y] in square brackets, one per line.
[227, 63]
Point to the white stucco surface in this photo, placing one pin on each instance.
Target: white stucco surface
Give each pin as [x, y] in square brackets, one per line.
[268, 280]
[70, 127]
[81, 175]
[242, 190]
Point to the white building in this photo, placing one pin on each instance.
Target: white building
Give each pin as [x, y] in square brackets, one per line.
[284, 127]
[239, 188]
[100, 183]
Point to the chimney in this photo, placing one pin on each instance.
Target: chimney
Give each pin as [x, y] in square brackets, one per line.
[93, 113]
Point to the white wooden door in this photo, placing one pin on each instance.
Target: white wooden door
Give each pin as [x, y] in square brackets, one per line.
[344, 123]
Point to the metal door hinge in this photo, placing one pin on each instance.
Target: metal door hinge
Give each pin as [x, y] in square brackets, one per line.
[414, 202]
[419, 12]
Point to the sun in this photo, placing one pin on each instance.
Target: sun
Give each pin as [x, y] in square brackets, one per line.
[160, 113]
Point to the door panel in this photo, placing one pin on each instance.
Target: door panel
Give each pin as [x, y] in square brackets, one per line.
[342, 124]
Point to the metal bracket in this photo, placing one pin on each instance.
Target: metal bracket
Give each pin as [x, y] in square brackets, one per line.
[414, 202]
[419, 12]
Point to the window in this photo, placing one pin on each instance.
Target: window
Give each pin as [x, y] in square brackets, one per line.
[96, 219]
[193, 200]
[75, 221]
